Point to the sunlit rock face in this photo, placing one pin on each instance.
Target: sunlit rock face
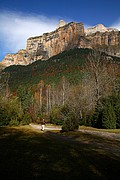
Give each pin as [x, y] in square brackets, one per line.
[61, 23]
[65, 37]
[50, 44]
[19, 58]
[104, 37]
[68, 36]
[98, 28]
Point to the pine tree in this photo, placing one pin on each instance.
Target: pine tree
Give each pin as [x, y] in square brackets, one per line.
[108, 116]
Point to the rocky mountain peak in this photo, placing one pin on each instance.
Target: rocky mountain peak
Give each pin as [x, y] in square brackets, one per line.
[65, 37]
[98, 28]
[93, 29]
[61, 23]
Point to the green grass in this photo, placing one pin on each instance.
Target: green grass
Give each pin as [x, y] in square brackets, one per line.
[26, 153]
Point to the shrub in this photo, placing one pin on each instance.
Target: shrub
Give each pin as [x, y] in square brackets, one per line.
[25, 119]
[56, 116]
[14, 122]
[71, 123]
[86, 120]
[4, 118]
[10, 111]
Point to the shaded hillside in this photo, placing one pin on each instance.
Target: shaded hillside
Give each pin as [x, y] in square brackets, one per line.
[68, 63]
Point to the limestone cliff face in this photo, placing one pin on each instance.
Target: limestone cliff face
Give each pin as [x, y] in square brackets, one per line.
[20, 58]
[70, 36]
[105, 38]
[50, 44]
[61, 23]
[65, 37]
[98, 28]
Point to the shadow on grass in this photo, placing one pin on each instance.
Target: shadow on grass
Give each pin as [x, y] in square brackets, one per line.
[28, 154]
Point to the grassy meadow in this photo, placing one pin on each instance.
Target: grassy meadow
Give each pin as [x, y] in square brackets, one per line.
[27, 153]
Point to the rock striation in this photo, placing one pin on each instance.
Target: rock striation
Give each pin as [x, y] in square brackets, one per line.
[107, 38]
[65, 37]
[50, 44]
[22, 57]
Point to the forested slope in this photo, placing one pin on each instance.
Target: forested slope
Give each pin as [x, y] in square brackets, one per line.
[69, 64]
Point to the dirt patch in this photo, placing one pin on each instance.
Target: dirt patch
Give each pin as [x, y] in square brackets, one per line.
[115, 136]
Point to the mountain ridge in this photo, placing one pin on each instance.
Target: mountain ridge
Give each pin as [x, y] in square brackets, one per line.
[69, 64]
[65, 37]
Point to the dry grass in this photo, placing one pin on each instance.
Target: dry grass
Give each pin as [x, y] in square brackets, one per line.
[101, 130]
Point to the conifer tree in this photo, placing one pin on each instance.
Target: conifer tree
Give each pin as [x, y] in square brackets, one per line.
[108, 116]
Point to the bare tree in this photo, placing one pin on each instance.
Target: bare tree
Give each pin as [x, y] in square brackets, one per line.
[52, 95]
[63, 90]
[81, 99]
[48, 99]
[102, 73]
[40, 85]
[49, 96]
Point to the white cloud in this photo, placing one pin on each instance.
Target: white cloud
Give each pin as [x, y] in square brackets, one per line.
[116, 24]
[15, 28]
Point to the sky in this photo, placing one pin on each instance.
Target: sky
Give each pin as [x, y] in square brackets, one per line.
[21, 19]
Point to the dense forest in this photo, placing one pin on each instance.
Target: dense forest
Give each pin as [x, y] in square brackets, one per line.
[68, 64]
[76, 87]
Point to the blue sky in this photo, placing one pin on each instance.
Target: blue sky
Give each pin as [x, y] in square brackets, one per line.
[20, 19]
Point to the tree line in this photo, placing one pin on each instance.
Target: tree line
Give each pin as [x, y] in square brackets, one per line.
[93, 101]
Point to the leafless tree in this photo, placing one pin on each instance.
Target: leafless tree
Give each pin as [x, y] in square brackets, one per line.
[40, 86]
[102, 72]
[48, 99]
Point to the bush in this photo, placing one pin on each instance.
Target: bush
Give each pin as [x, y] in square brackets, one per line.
[14, 122]
[4, 118]
[86, 120]
[56, 117]
[25, 119]
[71, 123]
[10, 111]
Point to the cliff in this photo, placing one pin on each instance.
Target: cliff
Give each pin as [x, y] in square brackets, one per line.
[65, 37]
[99, 28]
[49, 44]
[22, 57]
